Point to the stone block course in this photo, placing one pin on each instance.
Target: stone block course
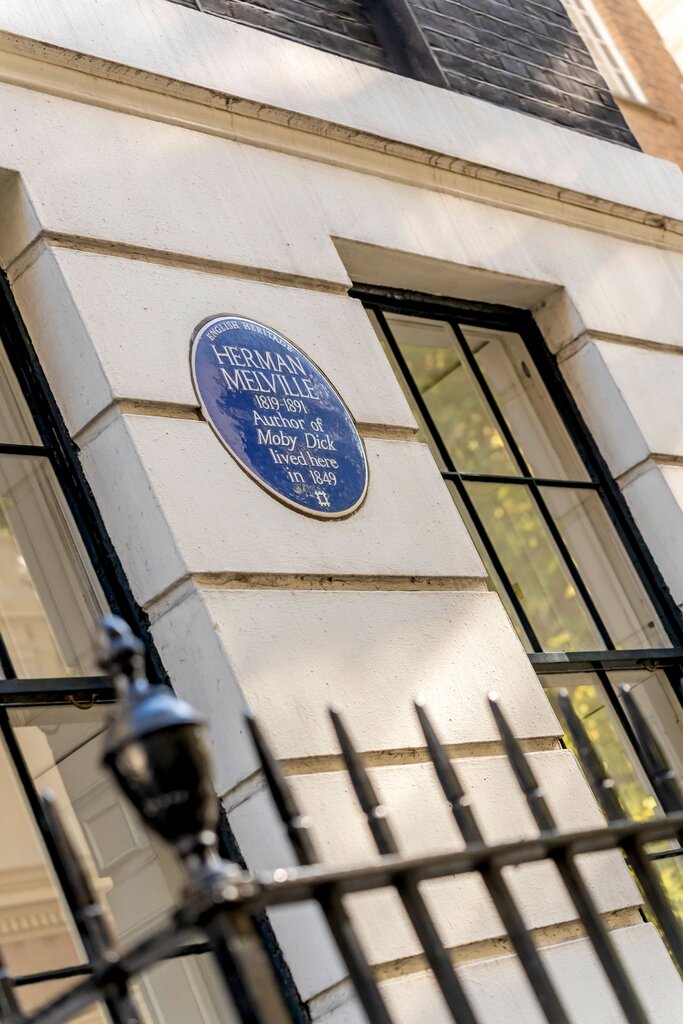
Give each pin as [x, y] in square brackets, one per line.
[175, 502]
[500, 992]
[293, 652]
[138, 349]
[420, 817]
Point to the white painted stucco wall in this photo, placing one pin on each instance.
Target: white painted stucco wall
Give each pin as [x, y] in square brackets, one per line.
[158, 166]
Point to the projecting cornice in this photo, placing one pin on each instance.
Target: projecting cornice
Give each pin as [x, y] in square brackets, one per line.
[59, 72]
[161, 61]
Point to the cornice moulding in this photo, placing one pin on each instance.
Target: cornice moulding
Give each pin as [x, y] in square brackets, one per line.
[74, 76]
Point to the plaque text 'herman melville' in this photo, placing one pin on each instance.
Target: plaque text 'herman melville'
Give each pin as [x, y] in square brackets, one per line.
[279, 416]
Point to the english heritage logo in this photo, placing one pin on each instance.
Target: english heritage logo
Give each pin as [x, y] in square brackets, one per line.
[279, 416]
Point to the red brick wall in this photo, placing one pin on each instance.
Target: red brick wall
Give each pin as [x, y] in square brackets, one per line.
[658, 126]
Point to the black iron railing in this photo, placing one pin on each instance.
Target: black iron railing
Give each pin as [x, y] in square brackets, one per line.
[157, 749]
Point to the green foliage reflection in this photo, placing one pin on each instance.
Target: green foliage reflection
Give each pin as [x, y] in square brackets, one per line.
[635, 796]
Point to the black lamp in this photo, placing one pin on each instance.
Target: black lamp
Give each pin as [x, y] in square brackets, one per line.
[157, 748]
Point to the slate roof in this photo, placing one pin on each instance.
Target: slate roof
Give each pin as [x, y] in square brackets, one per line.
[525, 55]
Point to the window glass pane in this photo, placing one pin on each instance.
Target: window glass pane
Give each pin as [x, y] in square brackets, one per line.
[493, 581]
[466, 425]
[137, 876]
[607, 571]
[587, 694]
[16, 422]
[422, 433]
[36, 930]
[591, 704]
[49, 597]
[525, 403]
[539, 576]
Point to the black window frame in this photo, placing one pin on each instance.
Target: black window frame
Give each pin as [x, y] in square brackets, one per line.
[381, 300]
[61, 452]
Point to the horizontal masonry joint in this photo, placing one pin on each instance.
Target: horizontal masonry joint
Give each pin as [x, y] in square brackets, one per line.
[306, 581]
[323, 764]
[471, 953]
[489, 949]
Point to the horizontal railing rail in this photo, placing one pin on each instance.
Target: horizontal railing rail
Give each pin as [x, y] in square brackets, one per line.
[168, 781]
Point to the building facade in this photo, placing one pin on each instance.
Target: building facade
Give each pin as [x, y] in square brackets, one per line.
[442, 207]
[634, 45]
[668, 18]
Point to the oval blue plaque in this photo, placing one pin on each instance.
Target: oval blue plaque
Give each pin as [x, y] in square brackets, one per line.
[279, 416]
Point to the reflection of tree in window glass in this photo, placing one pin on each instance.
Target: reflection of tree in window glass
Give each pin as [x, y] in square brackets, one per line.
[525, 405]
[465, 424]
[480, 386]
[466, 427]
[634, 793]
[469, 427]
[539, 576]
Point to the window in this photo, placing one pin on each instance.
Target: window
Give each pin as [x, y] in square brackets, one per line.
[52, 718]
[604, 52]
[549, 523]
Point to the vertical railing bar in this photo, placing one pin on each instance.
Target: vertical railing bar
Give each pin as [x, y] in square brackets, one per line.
[89, 916]
[605, 791]
[9, 1007]
[603, 787]
[298, 830]
[245, 967]
[659, 772]
[570, 874]
[492, 876]
[6, 663]
[376, 814]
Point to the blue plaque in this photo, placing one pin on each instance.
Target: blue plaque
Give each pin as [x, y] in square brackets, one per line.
[279, 416]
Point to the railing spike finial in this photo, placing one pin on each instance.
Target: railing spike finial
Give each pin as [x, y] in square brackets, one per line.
[493, 876]
[448, 779]
[373, 809]
[658, 769]
[520, 765]
[601, 783]
[377, 817]
[297, 824]
[298, 828]
[571, 876]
